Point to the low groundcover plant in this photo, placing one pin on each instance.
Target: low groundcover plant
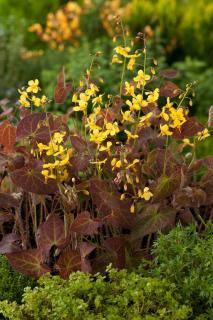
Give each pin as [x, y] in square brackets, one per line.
[80, 198]
[123, 295]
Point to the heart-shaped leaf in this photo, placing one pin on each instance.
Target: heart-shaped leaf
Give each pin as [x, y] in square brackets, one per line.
[69, 261]
[51, 233]
[86, 248]
[152, 219]
[190, 128]
[28, 262]
[78, 143]
[170, 90]
[30, 179]
[84, 225]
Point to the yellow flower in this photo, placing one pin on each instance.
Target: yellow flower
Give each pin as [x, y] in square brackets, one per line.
[36, 101]
[33, 86]
[107, 147]
[58, 137]
[92, 90]
[115, 163]
[99, 163]
[133, 163]
[164, 115]
[48, 175]
[168, 103]
[75, 98]
[43, 100]
[186, 142]
[146, 194]
[145, 120]
[177, 115]
[112, 128]
[131, 63]
[98, 137]
[63, 175]
[203, 134]
[97, 99]
[83, 102]
[116, 60]
[42, 147]
[137, 103]
[164, 130]
[51, 165]
[153, 95]
[123, 51]
[23, 101]
[126, 116]
[132, 208]
[130, 135]
[130, 90]
[141, 78]
[60, 151]
[65, 160]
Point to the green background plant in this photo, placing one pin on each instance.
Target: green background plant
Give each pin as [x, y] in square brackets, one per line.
[122, 295]
[12, 283]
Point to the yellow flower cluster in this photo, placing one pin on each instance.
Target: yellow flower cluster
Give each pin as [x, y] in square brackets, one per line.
[99, 134]
[28, 96]
[58, 157]
[61, 27]
[81, 101]
[172, 118]
[203, 134]
[125, 52]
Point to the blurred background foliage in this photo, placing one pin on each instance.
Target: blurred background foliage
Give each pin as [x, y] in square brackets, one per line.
[179, 33]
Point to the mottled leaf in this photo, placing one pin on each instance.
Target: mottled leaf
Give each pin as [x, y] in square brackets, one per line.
[7, 137]
[105, 201]
[166, 186]
[69, 261]
[116, 245]
[153, 219]
[51, 233]
[80, 162]
[78, 143]
[30, 179]
[29, 125]
[84, 225]
[170, 90]
[86, 248]
[189, 129]
[190, 197]
[28, 262]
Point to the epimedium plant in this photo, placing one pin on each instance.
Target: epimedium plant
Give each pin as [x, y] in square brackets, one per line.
[79, 198]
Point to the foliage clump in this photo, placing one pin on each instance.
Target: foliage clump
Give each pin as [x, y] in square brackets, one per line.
[185, 258]
[120, 295]
[12, 283]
